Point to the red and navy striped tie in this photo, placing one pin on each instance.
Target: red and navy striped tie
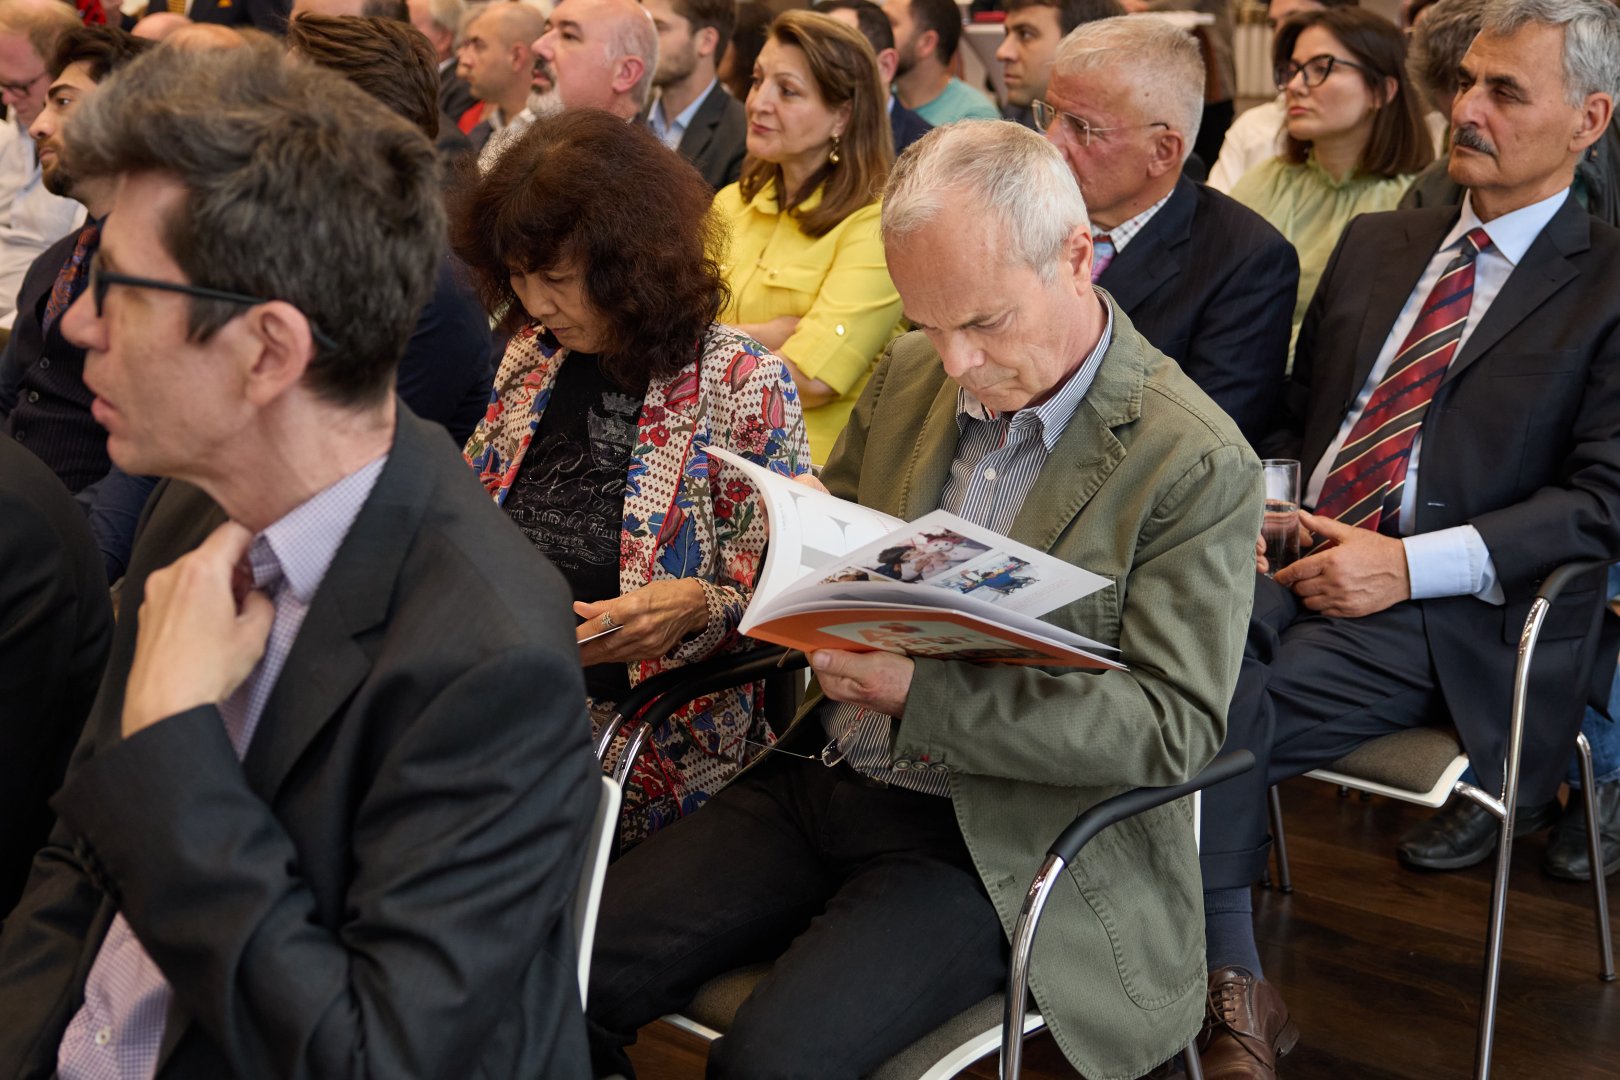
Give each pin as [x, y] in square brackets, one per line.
[1364, 489]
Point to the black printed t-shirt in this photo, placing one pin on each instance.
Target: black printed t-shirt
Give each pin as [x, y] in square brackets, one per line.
[568, 497]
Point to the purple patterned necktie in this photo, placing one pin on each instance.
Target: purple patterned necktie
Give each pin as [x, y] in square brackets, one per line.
[1102, 254]
[70, 280]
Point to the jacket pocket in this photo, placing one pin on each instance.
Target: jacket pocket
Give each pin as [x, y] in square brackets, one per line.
[1140, 878]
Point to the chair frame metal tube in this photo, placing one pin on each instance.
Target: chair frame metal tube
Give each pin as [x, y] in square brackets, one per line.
[1594, 840]
[1064, 850]
[1505, 807]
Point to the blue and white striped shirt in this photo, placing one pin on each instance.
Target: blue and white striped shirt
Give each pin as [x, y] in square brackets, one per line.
[998, 457]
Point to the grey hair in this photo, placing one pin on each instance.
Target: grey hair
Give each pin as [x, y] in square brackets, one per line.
[1005, 169]
[636, 35]
[42, 22]
[1591, 39]
[446, 14]
[1166, 68]
[1437, 45]
[299, 186]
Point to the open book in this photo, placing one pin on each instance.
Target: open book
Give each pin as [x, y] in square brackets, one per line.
[838, 575]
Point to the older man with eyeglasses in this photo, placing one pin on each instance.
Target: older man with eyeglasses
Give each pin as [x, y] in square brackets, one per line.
[32, 218]
[1206, 280]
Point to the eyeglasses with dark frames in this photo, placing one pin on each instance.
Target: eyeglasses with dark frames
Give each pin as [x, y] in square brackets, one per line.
[101, 279]
[1046, 115]
[1316, 70]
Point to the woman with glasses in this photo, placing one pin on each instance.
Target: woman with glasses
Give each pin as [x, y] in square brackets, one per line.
[1355, 135]
[617, 381]
[805, 262]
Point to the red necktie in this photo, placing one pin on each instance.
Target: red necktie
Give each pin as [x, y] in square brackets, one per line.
[1364, 489]
[70, 279]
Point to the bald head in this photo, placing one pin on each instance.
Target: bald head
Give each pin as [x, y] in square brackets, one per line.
[159, 25]
[201, 37]
[494, 56]
[597, 54]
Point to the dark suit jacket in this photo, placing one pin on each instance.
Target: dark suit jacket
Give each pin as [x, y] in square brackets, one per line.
[56, 425]
[384, 885]
[717, 138]
[55, 628]
[906, 126]
[1522, 441]
[1212, 286]
[455, 96]
[267, 15]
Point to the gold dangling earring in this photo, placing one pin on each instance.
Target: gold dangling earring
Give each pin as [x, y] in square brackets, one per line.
[833, 158]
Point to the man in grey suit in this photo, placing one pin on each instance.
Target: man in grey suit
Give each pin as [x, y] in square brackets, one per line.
[692, 112]
[315, 826]
[883, 886]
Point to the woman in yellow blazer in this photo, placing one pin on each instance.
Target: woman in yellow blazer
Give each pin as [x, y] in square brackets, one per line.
[805, 263]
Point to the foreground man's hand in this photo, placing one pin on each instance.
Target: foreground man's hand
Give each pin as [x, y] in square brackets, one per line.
[195, 647]
[1358, 572]
[878, 681]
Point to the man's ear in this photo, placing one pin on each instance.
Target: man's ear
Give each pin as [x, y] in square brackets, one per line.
[282, 348]
[1078, 251]
[705, 41]
[1168, 151]
[888, 63]
[520, 56]
[1596, 112]
[927, 43]
[627, 72]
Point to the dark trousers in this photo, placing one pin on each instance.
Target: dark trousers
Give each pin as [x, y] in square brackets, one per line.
[1217, 117]
[864, 898]
[1312, 689]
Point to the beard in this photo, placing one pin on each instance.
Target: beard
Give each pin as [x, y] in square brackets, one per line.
[544, 103]
[57, 180]
[674, 67]
[906, 57]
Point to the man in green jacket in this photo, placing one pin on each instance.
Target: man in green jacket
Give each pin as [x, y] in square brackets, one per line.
[883, 886]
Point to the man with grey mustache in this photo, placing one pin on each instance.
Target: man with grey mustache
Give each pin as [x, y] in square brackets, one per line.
[1455, 407]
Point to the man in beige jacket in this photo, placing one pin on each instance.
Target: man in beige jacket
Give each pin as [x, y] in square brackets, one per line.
[882, 886]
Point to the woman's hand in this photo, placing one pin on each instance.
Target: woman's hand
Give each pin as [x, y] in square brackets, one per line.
[655, 618]
[771, 334]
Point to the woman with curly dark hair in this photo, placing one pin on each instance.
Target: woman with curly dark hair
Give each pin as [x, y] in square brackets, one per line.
[592, 242]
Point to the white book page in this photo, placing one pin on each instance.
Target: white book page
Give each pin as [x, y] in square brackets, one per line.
[961, 565]
[810, 532]
[900, 596]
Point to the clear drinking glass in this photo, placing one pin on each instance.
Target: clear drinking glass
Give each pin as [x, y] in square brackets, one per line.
[1281, 525]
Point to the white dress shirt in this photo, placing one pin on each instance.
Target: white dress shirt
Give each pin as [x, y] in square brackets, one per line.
[1455, 561]
[671, 132]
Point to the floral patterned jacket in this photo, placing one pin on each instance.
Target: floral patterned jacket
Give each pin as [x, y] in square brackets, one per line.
[679, 522]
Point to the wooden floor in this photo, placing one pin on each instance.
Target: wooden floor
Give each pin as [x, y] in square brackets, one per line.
[1382, 966]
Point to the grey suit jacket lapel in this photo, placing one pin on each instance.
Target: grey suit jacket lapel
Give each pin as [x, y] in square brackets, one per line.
[695, 139]
[329, 658]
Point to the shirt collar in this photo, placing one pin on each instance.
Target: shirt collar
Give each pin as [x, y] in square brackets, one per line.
[684, 120]
[306, 538]
[1051, 416]
[1511, 234]
[1125, 231]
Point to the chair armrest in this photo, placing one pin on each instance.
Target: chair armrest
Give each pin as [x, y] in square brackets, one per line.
[711, 673]
[695, 680]
[1064, 850]
[1557, 581]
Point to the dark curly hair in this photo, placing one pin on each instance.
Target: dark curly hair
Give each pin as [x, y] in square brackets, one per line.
[586, 189]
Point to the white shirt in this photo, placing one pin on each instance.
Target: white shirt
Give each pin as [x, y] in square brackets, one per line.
[1454, 561]
[31, 218]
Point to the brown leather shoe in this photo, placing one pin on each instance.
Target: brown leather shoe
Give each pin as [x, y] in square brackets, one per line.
[1246, 1027]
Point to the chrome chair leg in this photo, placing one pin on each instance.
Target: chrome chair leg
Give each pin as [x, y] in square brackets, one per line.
[1195, 1067]
[1600, 890]
[1285, 880]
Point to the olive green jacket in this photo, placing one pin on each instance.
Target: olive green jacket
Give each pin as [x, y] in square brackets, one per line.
[1152, 486]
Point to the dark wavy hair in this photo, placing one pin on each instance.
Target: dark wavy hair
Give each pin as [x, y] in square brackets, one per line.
[586, 189]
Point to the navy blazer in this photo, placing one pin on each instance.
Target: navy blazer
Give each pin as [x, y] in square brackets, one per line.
[716, 141]
[1212, 286]
[906, 126]
[267, 15]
